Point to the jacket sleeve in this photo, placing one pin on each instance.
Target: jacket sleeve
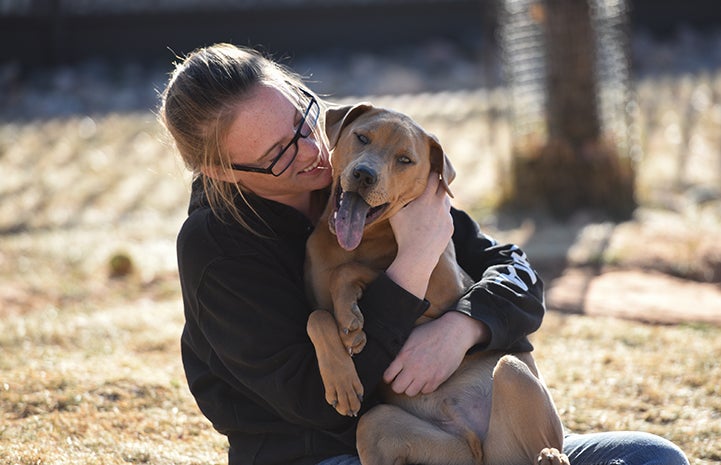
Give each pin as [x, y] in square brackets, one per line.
[253, 315]
[507, 294]
[390, 313]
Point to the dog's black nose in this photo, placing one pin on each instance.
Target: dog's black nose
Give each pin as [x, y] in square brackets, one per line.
[365, 175]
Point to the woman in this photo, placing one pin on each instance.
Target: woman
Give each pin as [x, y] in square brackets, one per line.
[251, 132]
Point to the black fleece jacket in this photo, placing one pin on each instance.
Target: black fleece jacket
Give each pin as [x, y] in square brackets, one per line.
[248, 360]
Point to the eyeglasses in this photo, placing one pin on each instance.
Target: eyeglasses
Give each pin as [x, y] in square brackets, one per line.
[286, 156]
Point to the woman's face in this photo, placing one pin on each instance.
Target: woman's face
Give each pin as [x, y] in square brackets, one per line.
[264, 124]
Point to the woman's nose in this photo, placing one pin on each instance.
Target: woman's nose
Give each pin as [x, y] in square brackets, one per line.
[308, 147]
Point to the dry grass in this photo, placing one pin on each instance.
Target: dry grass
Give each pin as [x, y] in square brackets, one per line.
[99, 386]
[608, 374]
[101, 383]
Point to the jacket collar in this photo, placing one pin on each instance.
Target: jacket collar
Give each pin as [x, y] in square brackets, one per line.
[267, 217]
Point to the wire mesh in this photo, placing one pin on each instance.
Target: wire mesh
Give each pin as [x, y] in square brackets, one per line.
[522, 41]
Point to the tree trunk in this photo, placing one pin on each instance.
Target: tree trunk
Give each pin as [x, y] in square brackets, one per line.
[577, 166]
[571, 81]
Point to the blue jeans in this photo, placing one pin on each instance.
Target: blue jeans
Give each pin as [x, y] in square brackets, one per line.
[612, 448]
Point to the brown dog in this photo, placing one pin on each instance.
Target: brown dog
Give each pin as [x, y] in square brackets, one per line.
[494, 409]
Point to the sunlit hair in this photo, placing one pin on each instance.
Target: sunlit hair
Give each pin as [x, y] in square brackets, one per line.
[200, 102]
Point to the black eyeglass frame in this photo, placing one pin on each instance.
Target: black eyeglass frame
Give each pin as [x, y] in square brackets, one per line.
[294, 141]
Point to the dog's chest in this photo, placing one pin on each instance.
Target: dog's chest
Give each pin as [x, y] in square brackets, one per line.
[377, 250]
[376, 255]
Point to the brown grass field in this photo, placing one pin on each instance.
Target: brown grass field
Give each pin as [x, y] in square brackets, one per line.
[90, 368]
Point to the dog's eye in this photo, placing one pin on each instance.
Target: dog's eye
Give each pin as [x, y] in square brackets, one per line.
[363, 139]
[403, 159]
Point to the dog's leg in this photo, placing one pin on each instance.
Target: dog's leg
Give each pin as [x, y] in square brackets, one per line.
[524, 420]
[347, 283]
[343, 389]
[388, 434]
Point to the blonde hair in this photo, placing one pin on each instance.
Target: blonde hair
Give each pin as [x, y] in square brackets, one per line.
[199, 103]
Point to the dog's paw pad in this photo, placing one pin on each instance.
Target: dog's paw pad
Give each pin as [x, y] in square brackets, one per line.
[552, 456]
[359, 342]
[354, 342]
[356, 322]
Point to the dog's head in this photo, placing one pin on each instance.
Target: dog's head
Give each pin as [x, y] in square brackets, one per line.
[381, 161]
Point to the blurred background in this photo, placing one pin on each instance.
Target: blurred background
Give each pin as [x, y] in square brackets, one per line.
[557, 114]
[586, 131]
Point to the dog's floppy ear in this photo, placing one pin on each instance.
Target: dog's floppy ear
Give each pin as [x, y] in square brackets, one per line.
[337, 118]
[440, 163]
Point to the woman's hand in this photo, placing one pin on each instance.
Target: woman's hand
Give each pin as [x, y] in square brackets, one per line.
[433, 352]
[422, 230]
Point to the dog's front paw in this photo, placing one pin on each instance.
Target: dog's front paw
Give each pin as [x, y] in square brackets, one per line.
[349, 320]
[344, 392]
[350, 328]
[552, 456]
[354, 341]
[343, 389]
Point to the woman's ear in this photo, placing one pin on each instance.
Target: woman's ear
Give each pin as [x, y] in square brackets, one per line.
[337, 118]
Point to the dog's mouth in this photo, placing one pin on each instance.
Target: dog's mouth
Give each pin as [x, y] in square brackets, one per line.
[350, 216]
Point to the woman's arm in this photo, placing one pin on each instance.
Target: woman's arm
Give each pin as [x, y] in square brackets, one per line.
[508, 293]
[497, 312]
[422, 230]
[255, 321]
[252, 317]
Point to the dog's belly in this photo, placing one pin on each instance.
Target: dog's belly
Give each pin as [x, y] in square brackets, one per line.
[462, 404]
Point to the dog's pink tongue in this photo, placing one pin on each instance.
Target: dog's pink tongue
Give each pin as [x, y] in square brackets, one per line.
[350, 220]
